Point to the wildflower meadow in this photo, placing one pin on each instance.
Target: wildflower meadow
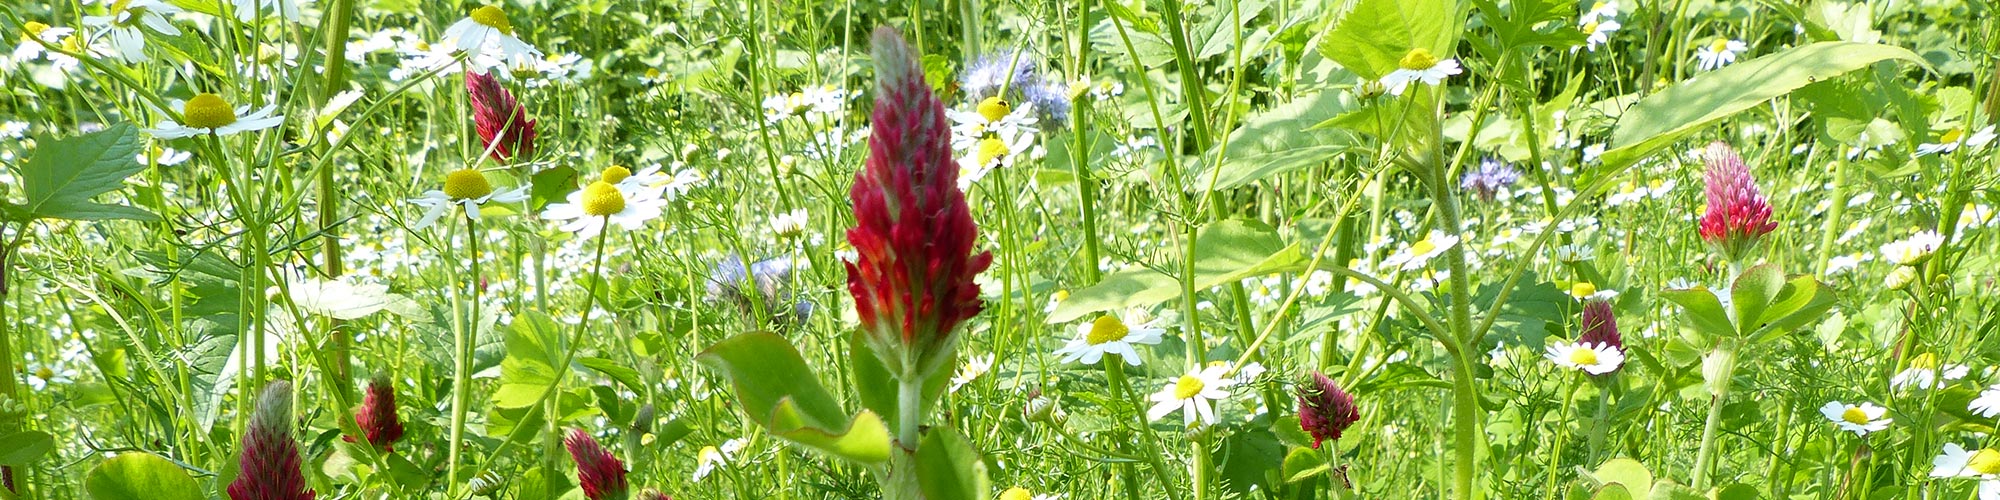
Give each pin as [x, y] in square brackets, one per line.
[999, 249]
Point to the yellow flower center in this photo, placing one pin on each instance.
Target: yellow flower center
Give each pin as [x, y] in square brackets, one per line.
[1016, 493]
[1721, 45]
[1952, 136]
[1582, 289]
[601, 198]
[994, 108]
[44, 373]
[423, 46]
[1925, 361]
[1187, 387]
[652, 73]
[73, 43]
[1107, 328]
[494, 18]
[989, 149]
[1984, 461]
[466, 184]
[208, 111]
[1590, 27]
[1418, 59]
[1854, 415]
[616, 174]
[1583, 357]
[1423, 247]
[1062, 295]
[34, 28]
[1597, 6]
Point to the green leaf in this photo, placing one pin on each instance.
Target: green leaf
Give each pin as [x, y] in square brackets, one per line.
[623, 374]
[1738, 491]
[1803, 301]
[24, 447]
[877, 388]
[1626, 472]
[64, 174]
[1304, 464]
[1672, 491]
[1227, 251]
[778, 391]
[1701, 308]
[948, 466]
[140, 476]
[1613, 491]
[1276, 141]
[1752, 294]
[549, 185]
[1373, 37]
[1665, 117]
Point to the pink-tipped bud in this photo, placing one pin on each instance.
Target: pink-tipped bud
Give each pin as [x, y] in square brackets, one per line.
[1324, 410]
[653, 494]
[912, 278]
[503, 125]
[269, 465]
[1599, 326]
[377, 415]
[1738, 216]
[602, 475]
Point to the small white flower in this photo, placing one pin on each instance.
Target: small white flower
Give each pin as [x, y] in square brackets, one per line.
[1925, 373]
[1415, 255]
[1982, 464]
[1913, 250]
[1194, 395]
[165, 157]
[711, 457]
[248, 10]
[209, 114]
[1860, 419]
[1599, 33]
[1955, 138]
[486, 31]
[1420, 66]
[121, 27]
[975, 366]
[464, 188]
[1600, 10]
[1108, 334]
[589, 209]
[1988, 403]
[1721, 53]
[1592, 358]
[789, 223]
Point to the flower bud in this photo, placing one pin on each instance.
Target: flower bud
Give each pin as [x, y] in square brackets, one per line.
[601, 475]
[269, 467]
[1738, 216]
[1324, 410]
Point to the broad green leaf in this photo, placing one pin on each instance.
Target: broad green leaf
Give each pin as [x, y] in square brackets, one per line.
[621, 373]
[877, 389]
[1276, 141]
[778, 391]
[1738, 491]
[140, 476]
[1250, 460]
[20, 448]
[1672, 491]
[1304, 464]
[1804, 301]
[1613, 491]
[1373, 37]
[64, 174]
[1227, 251]
[549, 185]
[1701, 309]
[1752, 294]
[1632, 475]
[949, 466]
[1665, 117]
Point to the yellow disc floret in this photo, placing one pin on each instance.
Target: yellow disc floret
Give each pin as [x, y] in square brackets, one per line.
[494, 18]
[994, 108]
[1925, 361]
[601, 198]
[1107, 328]
[1188, 386]
[616, 174]
[1590, 27]
[1952, 136]
[34, 28]
[1721, 45]
[466, 184]
[990, 149]
[1986, 461]
[1583, 357]
[208, 111]
[1582, 289]
[1418, 59]
[1854, 415]
[1016, 493]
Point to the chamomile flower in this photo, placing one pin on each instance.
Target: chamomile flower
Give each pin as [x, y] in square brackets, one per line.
[1926, 373]
[1988, 403]
[1598, 33]
[1415, 255]
[209, 114]
[1721, 52]
[588, 210]
[466, 188]
[486, 30]
[711, 457]
[1955, 138]
[1860, 419]
[1592, 358]
[165, 157]
[1913, 250]
[1019, 493]
[248, 10]
[1055, 299]
[789, 223]
[1420, 66]
[975, 366]
[33, 35]
[1600, 10]
[1108, 334]
[1982, 464]
[121, 26]
[1194, 395]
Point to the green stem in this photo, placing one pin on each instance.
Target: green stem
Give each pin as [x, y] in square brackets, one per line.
[339, 15]
[462, 355]
[1086, 185]
[1601, 424]
[1725, 367]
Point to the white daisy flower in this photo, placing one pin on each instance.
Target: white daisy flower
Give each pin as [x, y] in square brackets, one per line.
[1019, 493]
[1194, 394]
[1415, 255]
[466, 188]
[487, 31]
[1926, 373]
[1055, 299]
[1599, 33]
[248, 10]
[684, 180]
[1988, 403]
[1721, 53]
[975, 366]
[1956, 138]
[209, 114]
[1860, 419]
[1108, 334]
[121, 27]
[789, 223]
[711, 457]
[1982, 464]
[1600, 10]
[1420, 66]
[1265, 291]
[165, 157]
[30, 48]
[1913, 250]
[589, 209]
[1592, 358]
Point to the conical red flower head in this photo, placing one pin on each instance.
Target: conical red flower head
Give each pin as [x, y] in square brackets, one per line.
[503, 125]
[377, 415]
[602, 475]
[1599, 326]
[912, 278]
[1324, 410]
[1738, 216]
[269, 467]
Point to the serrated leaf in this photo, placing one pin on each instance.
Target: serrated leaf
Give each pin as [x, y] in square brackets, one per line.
[1373, 37]
[140, 476]
[64, 174]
